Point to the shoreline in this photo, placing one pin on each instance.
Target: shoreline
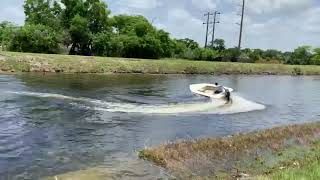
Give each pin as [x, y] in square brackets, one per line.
[268, 154]
[13, 62]
[281, 153]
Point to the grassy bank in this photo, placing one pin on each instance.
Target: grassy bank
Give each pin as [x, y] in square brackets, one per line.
[27, 62]
[279, 153]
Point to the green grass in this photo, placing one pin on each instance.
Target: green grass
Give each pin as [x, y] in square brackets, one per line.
[28, 62]
[309, 172]
[301, 167]
[258, 153]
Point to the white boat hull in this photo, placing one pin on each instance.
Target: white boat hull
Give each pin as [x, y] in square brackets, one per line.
[208, 90]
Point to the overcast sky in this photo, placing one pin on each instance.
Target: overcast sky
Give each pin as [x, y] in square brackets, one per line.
[277, 24]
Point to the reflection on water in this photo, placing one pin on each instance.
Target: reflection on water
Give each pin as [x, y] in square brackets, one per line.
[53, 124]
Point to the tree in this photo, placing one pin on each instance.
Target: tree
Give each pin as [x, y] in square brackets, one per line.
[150, 47]
[302, 55]
[138, 25]
[146, 47]
[7, 30]
[219, 45]
[101, 44]
[139, 39]
[255, 54]
[131, 46]
[167, 45]
[189, 43]
[37, 39]
[80, 35]
[45, 12]
[97, 15]
[316, 57]
[70, 10]
[287, 57]
[116, 46]
[83, 19]
[142, 29]
[179, 48]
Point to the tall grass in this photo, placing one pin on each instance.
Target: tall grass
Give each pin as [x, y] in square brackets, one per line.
[28, 62]
[307, 167]
[253, 153]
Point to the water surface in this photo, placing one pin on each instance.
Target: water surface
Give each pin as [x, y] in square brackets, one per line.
[52, 124]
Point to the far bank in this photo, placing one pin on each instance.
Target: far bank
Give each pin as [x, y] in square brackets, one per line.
[28, 62]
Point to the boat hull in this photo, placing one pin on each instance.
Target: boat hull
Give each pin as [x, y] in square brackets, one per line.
[208, 90]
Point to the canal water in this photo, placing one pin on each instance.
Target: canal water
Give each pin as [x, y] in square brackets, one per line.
[57, 123]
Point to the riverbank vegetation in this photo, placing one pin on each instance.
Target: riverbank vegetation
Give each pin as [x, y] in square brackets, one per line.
[86, 27]
[29, 62]
[279, 153]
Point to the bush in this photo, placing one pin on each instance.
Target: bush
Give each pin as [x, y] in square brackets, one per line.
[244, 58]
[188, 54]
[141, 47]
[101, 44]
[36, 39]
[167, 45]
[209, 54]
[301, 56]
[231, 54]
[80, 35]
[197, 54]
[297, 71]
[129, 46]
[315, 60]
[7, 30]
[150, 47]
[191, 70]
[179, 48]
[116, 47]
[316, 57]
[200, 54]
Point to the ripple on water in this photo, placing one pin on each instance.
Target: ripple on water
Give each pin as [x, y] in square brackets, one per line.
[11, 143]
[52, 124]
[132, 169]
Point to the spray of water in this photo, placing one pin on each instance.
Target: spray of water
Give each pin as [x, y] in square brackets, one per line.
[238, 105]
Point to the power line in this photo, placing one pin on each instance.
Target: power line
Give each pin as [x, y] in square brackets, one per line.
[207, 23]
[214, 26]
[241, 24]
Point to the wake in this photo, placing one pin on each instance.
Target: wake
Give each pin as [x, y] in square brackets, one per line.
[239, 105]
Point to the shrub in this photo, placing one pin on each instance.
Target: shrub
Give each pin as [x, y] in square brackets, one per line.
[7, 31]
[297, 71]
[101, 44]
[36, 39]
[191, 70]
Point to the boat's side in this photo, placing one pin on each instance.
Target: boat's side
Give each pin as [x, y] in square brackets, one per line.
[197, 89]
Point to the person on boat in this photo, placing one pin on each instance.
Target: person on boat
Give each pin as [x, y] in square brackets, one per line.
[219, 89]
[227, 95]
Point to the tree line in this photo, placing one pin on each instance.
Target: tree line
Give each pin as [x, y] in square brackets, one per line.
[86, 27]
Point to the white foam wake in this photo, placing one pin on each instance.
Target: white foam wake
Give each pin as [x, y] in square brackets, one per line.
[238, 105]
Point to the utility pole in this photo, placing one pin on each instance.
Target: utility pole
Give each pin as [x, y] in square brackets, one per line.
[241, 24]
[207, 23]
[214, 26]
